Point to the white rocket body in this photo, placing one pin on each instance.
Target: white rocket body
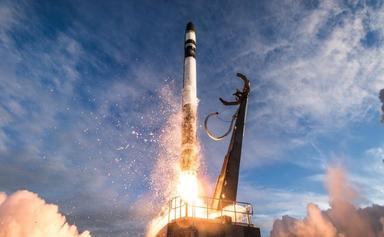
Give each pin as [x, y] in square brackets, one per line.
[189, 88]
[189, 149]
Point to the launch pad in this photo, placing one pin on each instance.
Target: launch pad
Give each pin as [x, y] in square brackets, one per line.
[201, 220]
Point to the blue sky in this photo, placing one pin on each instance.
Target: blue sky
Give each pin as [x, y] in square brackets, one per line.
[81, 108]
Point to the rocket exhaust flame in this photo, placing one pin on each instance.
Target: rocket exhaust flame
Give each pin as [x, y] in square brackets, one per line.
[188, 187]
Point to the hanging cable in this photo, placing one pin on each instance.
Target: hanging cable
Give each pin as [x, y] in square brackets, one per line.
[210, 134]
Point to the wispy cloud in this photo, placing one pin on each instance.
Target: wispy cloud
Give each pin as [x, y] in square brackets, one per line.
[325, 76]
[60, 137]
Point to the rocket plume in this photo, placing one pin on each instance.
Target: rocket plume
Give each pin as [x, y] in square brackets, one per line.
[189, 148]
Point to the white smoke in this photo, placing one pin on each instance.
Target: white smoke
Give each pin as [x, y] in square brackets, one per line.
[25, 214]
[343, 219]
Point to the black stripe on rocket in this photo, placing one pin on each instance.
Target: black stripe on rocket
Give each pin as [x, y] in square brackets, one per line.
[190, 48]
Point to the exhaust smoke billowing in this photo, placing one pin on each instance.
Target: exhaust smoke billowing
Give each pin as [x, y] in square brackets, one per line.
[24, 213]
[343, 219]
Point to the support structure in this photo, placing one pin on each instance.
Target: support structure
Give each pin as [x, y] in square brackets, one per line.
[227, 182]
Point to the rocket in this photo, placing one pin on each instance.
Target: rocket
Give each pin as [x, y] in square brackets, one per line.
[189, 147]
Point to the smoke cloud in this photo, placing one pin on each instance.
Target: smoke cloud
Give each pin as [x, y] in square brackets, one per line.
[343, 219]
[25, 214]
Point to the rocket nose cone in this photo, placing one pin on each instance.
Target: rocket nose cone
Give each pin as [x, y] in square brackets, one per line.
[190, 27]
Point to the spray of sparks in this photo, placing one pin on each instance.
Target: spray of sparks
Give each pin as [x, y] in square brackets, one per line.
[176, 187]
[168, 179]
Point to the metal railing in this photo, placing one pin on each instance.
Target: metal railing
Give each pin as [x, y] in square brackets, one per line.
[228, 211]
